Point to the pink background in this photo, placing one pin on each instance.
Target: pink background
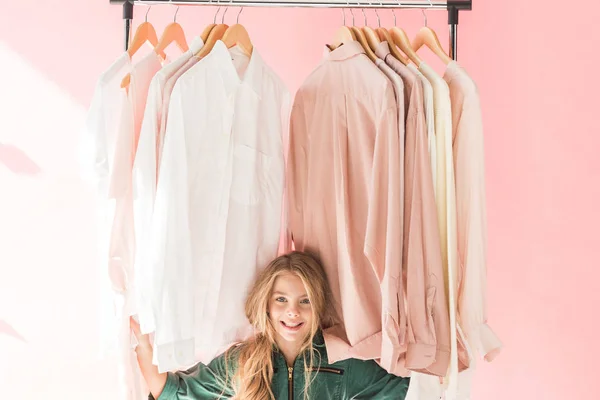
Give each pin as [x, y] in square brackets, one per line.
[537, 70]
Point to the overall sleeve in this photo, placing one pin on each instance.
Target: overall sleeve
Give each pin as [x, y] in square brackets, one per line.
[367, 380]
[201, 382]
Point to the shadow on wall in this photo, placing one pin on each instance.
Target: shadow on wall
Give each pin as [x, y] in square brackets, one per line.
[7, 329]
[18, 162]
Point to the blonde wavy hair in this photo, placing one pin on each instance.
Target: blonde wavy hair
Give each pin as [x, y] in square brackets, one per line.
[253, 358]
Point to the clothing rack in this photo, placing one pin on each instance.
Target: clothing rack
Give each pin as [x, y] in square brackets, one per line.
[452, 6]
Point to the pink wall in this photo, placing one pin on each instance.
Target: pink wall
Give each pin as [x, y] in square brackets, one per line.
[537, 73]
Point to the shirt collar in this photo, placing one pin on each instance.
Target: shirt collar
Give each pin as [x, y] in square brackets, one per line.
[252, 76]
[453, 70]
[345, 51]
[196, 45]
[382, 50]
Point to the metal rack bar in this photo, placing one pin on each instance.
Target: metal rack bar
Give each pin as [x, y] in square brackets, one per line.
[452, 6]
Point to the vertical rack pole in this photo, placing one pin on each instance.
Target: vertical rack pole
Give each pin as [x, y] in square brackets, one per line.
[453, 25]
[127, 17]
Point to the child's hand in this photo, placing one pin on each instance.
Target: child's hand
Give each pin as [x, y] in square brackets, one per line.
[143, 340]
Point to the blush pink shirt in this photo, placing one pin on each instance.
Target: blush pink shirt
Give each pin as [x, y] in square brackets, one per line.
[428, 324]
[469, 169]
[344, 177]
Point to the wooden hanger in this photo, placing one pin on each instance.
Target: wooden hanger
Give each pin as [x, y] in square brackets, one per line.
[360, 36]
[426, 36]
[372, 37]
[144, 33]
[384, 34]
[206, 32]
[216, 33]
[343, 35]
[237, 35]
[400, 39]
[210, 27]
[172, 33]
[362, 39]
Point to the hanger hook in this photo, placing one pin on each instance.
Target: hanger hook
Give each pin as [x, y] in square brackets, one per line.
[363, 11]
[425, 15]
[364, 15]
[237, 20]
[217, 12]
[377, 14]
[351, 11]
[175, 16]
[225, 12]
[147, 11]
[394, 13]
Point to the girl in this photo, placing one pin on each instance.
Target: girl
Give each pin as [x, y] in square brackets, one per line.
[289, 305]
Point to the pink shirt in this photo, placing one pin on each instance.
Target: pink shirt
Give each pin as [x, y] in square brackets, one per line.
[165, 105]
[344, 194]
[428, 324]
[468, 150]
[394, 341]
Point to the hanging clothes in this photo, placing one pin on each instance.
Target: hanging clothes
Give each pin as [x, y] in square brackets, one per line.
[429, 339]
[394, 316]
[218, 202]
[97, 151]
[446, 206]
[468, 150]
[344, 179]
[430, 121]
[145, 171]
[110, 119]
[467, 129]
[122, 238]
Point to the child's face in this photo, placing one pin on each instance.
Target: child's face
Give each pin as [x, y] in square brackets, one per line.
[289, 308]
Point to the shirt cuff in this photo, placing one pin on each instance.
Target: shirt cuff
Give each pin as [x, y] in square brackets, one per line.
[440, 366]
[420, 355]
[489, 342]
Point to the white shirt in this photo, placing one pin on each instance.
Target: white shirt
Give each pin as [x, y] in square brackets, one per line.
[99, 135]
[422, 387]
[96, 152]
[109, 113]
[122, 240]
[218, 203]
[145, 169]
[430, 120]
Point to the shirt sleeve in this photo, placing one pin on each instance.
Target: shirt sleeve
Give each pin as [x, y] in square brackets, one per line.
[144, 189]
[201, 382]
[172, 291]
[428, 320]
[383, 238]
[367, 380]
[285, 133]
[93, 157]
[297, 172]
[472, 232]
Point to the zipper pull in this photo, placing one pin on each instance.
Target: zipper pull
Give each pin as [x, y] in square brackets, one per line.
[290, 372]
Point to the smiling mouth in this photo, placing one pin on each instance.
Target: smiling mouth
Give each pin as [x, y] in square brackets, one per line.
[292, 327]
